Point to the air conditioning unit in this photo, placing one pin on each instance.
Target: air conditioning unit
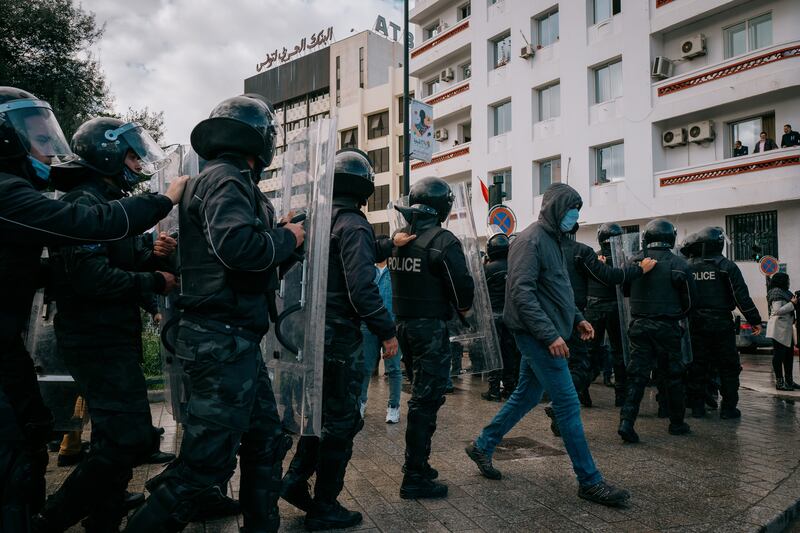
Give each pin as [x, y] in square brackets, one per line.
[527, 51]
[440, 134]
[662, 68]
[672, 138]
[442, 26]
[447, 74]
[700, 132]
[694, 46]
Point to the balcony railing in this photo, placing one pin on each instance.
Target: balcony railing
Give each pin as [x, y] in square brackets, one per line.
[729, 68]
[439, 39]
[771, 160]
[449, 93]
[445, 155]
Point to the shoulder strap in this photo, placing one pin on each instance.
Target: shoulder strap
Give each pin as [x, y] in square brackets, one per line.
[424, 240]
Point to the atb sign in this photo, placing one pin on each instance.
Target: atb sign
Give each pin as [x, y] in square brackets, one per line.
[504, 218]
[768, 265]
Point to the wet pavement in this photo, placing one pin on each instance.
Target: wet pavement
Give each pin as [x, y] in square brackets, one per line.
[726, 476]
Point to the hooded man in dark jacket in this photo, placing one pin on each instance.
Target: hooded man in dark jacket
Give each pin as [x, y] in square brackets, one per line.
[540, 310]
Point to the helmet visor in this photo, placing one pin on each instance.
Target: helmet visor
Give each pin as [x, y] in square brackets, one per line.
[151, 156]
[38, 130]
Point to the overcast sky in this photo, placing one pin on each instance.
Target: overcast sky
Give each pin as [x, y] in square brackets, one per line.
[184, 56]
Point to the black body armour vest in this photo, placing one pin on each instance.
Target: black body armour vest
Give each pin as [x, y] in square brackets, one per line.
[202, 273]
[653, 295]
[713, 288]
[599, 290]
[417, 292]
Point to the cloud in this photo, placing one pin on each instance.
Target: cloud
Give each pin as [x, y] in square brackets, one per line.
[184, 56]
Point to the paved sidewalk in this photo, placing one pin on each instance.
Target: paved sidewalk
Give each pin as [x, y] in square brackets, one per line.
[727, 476]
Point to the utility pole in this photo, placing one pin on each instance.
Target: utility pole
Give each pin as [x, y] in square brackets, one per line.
[406, 107]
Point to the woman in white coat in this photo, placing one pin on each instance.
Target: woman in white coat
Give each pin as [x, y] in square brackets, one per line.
[779, 328]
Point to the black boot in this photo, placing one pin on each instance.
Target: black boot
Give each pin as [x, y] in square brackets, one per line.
[294, 487]
[418, 438]
[627, 432]
[164, 511]
[553, 424]
[679, 428]
[260, 484]
[493, 394]
[607, 381]
[326, 512]
[585, 398]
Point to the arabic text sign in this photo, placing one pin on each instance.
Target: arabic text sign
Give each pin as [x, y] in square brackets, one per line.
[316, 40]
[422, 141]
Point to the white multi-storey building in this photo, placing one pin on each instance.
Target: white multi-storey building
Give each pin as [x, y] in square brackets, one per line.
[637, 104]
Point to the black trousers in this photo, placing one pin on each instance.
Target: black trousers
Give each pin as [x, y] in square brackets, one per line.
[580, 366]
[604, 318]
[511, 358]
[782, 358]
[714, 351]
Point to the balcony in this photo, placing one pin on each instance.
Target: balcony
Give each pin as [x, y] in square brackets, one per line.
[772, 176]
[423, 10]
[754, 74]
[667, 15]
[437, 48]
[452, 163]
[450, 100]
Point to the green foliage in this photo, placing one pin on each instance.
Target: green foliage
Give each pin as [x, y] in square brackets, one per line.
[151, 347]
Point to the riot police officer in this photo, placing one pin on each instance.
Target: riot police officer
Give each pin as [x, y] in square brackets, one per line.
[98, 325]
[658, 302]
[603, 314]
[30, 141]
[352, 298]
[496, 270]
[230, 250]
[429, 279]
[720, 289]
[584, 266]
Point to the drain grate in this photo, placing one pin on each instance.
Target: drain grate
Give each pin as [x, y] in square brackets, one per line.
[523, 448]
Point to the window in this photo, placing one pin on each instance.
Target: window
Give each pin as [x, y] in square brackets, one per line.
[466, 132]
[380, 159]
[349, 138]
[547, 28]
[381, 229]
[432, 86]
[634, 228]
[501, 118]
[549, 102]
[748, 130]
[610, 163]
[400, 109]
[752, 235]
[400, 147]
[465, 11]
[605, 9]
[748, 36]
[608, 82]
[506, 188]
[361, 67]
[429, 32]
[501, 50]
[379, 200]
[465, 71]
[549, 173]
[338, 81]
[378, 125]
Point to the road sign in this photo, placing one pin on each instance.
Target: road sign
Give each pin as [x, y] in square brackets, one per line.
[504, 218]
[768, 265]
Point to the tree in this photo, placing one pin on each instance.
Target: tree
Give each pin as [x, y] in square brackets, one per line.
[44, 49]
[152, 121]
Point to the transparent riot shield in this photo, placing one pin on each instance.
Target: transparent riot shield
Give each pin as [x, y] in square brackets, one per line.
[622, 249]
[686, 339]
[182, 161]
[294, 348]
[59, 390]
[473, 339]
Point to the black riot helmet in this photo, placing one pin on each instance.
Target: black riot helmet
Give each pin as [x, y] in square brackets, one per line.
[497, 246]
[429, 196]
[243, 124]
[690, 247]
[659, 233]
[608, 230]
[102, 145]
[30, 136]
[712, 240]
[353, 174]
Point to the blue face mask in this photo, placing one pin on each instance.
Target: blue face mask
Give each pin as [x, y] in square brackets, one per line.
[131, 178]
[569, 220]
[41, 169]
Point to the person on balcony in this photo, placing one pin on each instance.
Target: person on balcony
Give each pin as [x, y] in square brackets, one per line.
[764, 144]
[790, 138]
[739, 150]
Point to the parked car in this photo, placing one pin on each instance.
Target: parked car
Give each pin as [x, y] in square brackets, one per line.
[746, 342]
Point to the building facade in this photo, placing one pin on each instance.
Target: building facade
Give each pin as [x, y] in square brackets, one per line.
[358, 80]
[637, 104]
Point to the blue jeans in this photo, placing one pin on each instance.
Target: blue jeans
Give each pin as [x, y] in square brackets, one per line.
[372, 350]
[539, 371]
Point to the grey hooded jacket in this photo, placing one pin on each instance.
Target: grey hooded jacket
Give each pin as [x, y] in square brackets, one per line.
[539, 298]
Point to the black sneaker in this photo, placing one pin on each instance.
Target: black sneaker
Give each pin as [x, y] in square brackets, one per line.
[729, 413]
[604, 494]
[490, 396]
[681, 428]
[160, 458]
[417, 487]
[585, 398]
[483, 461]
[627, 432]
[331, 516]
[553, 424]
[70, 460]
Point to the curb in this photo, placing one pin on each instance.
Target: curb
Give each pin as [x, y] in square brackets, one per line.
[155, 396]
[782, 520]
